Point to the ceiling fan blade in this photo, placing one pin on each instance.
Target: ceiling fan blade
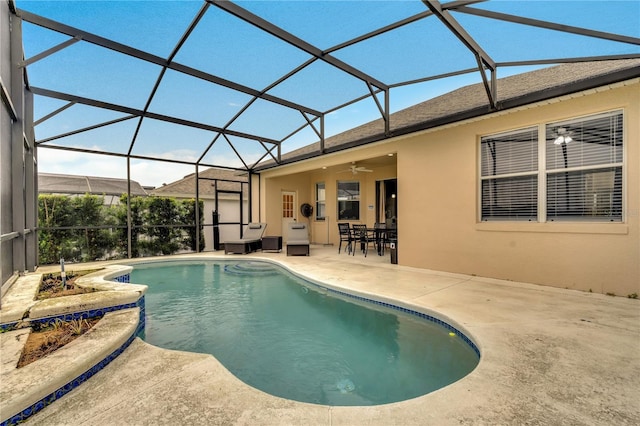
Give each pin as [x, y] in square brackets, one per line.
[355, 170]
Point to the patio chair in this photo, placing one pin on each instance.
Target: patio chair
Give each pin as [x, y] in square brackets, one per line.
[298, 240]
[345, 236]
[361, 235]
[251, 240]
[381, 237]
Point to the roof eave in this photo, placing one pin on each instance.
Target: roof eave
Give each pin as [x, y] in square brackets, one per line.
[516, 102]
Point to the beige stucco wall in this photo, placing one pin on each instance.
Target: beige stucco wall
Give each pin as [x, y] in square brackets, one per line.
[301, 178]
[602, 257]
[438, 226]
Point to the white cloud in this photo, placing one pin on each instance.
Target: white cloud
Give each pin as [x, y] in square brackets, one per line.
[148, 173]
[155, 173]
[179, 154]
[77, 163]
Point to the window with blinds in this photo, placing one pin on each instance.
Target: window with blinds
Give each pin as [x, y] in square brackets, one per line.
[584, 168]
[509, 174]
[320, 201]
[578, 177]
[348, 200]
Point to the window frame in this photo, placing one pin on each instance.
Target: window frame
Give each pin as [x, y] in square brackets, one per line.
[588, 169]
[320, 202]
[340, 216]
[544, 170]
[515, 173]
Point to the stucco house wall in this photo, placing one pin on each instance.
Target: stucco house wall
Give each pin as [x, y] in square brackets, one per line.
[301, 178]
[297, 183]
[440, 227]
[438, 202]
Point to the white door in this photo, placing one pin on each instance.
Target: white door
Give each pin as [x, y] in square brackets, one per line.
[289, 212]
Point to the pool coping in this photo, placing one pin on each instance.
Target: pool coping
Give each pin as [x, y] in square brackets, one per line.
[111, 291]
[21, 308]
[372, 299]
[368, 298]
[28, 390]
[84, 356]
[506, 387]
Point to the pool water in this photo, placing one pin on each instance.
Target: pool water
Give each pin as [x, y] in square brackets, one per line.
[287, 337]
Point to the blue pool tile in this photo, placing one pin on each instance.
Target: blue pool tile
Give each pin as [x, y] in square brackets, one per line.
[68, 387]
[402, 309]
[126, 278]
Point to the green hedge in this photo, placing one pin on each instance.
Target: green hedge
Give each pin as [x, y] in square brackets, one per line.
[103, 232]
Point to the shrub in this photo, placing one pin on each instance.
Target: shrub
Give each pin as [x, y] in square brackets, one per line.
[73, 227]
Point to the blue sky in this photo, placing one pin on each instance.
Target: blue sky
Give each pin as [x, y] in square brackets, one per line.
[230, 48]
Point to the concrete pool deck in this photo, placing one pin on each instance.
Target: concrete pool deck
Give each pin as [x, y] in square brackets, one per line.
[549, 356]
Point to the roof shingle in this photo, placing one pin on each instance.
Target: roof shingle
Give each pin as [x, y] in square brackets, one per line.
[206, 188]
[472, 101]
[52, 183]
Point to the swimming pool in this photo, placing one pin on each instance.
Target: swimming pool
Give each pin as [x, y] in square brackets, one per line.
[297, 340]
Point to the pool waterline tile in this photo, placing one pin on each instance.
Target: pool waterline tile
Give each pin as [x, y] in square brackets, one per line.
[408, 311]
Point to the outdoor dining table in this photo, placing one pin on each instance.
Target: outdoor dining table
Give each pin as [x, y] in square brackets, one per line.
[372, 234]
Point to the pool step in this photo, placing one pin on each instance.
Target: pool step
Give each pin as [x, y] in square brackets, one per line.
[250, 268]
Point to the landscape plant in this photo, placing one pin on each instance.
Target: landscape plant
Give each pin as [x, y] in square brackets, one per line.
[120, 212]
[71, 228]
[188, 213]
[83, 229]
[162, 213]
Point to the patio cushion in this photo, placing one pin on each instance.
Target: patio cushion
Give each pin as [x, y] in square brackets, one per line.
[298, 241]
[251, 241]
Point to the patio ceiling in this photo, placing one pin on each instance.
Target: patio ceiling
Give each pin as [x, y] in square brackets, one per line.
[241, 84]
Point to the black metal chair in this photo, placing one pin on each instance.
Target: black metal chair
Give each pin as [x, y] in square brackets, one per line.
[381, 237]
[345, 236]
[361, 235]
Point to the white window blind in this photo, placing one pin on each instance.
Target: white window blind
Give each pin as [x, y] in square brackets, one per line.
[584, 172]
[509, 164]
[579, 175]
[320, 201]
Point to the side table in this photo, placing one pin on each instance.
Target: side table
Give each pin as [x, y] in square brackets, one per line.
[272, 243]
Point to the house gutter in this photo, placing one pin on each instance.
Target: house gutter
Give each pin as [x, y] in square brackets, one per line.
[533, 99]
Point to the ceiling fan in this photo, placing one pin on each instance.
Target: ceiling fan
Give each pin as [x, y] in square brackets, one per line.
[356, 169]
